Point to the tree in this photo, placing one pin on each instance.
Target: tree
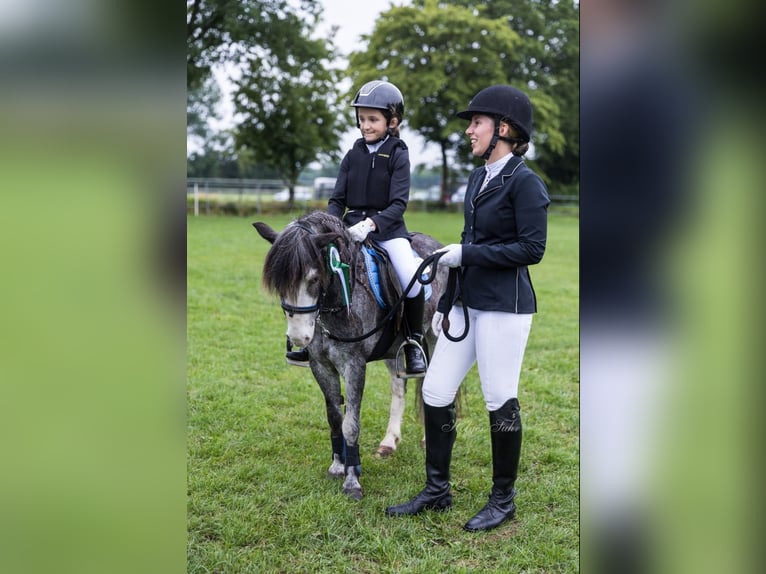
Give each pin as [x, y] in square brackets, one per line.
[548, 58]
[199, 105]
[232, 32]
[224, 31]
[440, 55]
[288, 102]
[286, 92]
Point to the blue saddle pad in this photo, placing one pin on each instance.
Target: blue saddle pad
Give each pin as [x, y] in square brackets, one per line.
[371, 258]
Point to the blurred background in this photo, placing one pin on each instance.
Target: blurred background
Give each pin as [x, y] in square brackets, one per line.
[668, 267]
[650, 119]
[270, 95]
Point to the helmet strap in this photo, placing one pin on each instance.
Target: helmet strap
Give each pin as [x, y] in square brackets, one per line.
[497, 137]
[493, 142]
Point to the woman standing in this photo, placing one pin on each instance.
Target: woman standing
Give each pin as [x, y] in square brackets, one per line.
[505, 228]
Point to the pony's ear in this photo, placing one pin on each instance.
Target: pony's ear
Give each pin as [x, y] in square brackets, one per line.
[265, 231]
[322, 239]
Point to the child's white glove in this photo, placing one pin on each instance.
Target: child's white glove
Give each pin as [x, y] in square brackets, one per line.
[453, 255]
[436, 323]
[361, 230]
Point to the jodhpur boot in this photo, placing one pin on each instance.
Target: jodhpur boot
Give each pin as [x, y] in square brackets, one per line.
[415, 363]
[440, 436]
[505, 432]
[297, 358]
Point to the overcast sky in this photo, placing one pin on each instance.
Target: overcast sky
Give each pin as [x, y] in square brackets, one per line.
[353, 19]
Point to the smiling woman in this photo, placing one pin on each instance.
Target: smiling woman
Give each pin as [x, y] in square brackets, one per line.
[504, 233]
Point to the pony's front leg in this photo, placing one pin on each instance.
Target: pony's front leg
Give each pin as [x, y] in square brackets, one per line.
[337, 468]
[354, 376]
[394, 431]
[329, 381]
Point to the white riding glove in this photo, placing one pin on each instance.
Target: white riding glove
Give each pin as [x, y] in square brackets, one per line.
[453, 255]
[361, 230]
[436, 323]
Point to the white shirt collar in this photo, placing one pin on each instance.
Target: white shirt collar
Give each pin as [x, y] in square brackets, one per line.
[492, 169]
[372, 148]
[496, 166]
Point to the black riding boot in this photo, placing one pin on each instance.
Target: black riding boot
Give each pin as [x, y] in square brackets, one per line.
[297, 358]
[505, 431]
[440, 436]
[414, 361]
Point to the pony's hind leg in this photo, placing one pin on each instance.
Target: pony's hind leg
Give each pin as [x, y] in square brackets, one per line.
[394, 431]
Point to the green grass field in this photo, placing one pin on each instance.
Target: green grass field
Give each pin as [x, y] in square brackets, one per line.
[258, 442]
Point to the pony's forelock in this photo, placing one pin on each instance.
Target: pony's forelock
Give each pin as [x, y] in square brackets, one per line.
[294, 252]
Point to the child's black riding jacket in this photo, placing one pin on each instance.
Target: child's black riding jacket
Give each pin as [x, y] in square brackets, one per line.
[374, 185]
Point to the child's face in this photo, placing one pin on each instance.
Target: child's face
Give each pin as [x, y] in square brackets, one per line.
[372, 124]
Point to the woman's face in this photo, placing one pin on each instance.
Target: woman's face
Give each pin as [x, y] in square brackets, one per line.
[372, 124]
[480, 131]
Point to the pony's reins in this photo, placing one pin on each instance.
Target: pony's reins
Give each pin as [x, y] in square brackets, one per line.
[455, 279]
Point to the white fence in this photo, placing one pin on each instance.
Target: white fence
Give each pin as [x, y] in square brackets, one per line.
[203, 189]
[258, 191]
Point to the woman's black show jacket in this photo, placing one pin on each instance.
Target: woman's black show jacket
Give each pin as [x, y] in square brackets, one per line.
[505, 231]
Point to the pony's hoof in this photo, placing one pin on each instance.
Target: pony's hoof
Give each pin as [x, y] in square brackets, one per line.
[336, 470]
[384, 451]
[355, 493]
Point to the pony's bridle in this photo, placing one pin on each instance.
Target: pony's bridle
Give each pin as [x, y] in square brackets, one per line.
[295, 310]
[317, 307]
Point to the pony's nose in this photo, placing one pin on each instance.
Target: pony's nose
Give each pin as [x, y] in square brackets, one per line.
[300, 339]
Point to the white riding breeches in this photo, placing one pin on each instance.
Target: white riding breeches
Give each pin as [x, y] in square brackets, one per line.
[496, 341]
[403, 259]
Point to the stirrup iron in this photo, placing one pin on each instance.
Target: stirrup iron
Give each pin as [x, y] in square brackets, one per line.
[401, 364]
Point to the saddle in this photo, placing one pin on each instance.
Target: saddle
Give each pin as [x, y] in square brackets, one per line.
[384, 285]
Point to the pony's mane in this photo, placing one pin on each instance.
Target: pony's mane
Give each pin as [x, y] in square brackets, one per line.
[295, 251]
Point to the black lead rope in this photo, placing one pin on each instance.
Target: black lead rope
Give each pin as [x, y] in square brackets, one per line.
[455, 277]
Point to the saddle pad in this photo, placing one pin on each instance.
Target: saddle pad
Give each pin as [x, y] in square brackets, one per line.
[371, 257]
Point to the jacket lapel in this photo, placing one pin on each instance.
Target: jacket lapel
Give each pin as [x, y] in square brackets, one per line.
[474, 185]
[497, 182]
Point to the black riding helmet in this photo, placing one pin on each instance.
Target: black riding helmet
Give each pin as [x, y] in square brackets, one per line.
[382, 96]
[503, 103]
